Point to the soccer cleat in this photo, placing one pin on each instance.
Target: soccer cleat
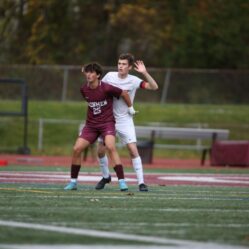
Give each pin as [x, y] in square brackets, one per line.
[143, 188]
[101, 184]
[71, 186]
[122, 185]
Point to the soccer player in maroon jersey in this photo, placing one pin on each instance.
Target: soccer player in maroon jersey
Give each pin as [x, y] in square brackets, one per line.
[100, 122]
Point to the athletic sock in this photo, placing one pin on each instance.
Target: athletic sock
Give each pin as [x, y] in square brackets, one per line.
[119, 171]
[138, 167]
[75, 169]
[103, 163]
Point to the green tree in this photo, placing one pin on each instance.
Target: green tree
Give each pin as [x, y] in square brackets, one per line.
[164, 33]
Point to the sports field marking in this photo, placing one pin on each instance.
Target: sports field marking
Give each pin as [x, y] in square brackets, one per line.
[143, 197]
[92, 233]
[26, 190]
[52, 175]
[191, 192]
[26, 246]
[210, 179]
[159, 178]
[172, 243]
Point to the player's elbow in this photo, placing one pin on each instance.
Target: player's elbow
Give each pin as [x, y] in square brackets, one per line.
[124, 93]
[154, 88]
[151, 86]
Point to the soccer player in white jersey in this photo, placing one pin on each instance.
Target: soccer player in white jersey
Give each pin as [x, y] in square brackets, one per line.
[125, 128]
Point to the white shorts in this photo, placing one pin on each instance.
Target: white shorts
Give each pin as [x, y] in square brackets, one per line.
[125, 132]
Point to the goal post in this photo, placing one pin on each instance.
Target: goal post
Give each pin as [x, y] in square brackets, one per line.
[22, 86]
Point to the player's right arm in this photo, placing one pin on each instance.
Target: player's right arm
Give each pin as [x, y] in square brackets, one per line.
[128, 102]
[118, 92]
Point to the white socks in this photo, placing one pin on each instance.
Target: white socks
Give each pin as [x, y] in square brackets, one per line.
[136, 163]
[138, 167]
[103, 163]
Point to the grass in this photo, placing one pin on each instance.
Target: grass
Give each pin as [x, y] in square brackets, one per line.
[196, 213]
[204, 214]
[59, 138]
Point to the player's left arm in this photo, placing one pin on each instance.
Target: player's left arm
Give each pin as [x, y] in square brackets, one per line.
[150, 83]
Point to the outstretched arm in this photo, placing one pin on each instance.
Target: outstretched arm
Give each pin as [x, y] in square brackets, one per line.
[151, 83]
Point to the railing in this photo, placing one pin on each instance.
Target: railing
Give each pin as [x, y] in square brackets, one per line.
[198, 134]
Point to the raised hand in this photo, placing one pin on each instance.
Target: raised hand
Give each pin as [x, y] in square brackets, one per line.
[140, 67]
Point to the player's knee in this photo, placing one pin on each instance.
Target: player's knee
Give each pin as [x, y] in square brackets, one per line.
[111, 148]
[101, 154]
[133, 151]
[77, 150]
[101, 151]
[134, 154]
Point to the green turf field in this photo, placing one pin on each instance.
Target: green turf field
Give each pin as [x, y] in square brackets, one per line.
[45, 214]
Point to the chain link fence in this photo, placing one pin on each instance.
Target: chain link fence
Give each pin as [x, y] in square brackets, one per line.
[62, 83]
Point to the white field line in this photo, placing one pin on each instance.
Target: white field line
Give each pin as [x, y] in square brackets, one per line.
[43, 177]
[139, 197]
[98, 176]
[165, 225]
[209, 179]
[92, 233]
[119, 236]
[26, 246]
[199, 191]
[84, 179]
[87, 177]
[95, 174]
[67, 173]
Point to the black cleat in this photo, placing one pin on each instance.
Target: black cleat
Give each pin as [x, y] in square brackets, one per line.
[101, 184]
[143, 187]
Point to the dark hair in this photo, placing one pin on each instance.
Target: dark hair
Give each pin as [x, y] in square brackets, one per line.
[127, 56]
[94, 67]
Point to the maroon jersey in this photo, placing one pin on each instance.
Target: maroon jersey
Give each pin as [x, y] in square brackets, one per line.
[100, 102]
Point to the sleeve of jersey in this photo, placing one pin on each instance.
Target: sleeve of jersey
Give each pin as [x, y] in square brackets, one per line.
[142, 84]
[82, 91]
[114, 91]
[105, 78]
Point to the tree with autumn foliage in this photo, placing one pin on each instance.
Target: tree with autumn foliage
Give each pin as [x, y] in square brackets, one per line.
[164, 33]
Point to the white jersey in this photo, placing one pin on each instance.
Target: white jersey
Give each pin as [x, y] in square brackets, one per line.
[131, 83]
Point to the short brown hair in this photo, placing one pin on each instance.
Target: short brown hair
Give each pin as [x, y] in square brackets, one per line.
[127, 56]
[93, 67]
